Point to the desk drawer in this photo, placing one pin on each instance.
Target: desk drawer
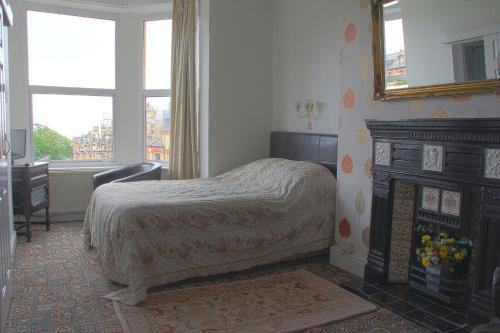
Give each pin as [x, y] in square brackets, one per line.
[39, 194]
[27, 173]
[30, 185]
[23, 187]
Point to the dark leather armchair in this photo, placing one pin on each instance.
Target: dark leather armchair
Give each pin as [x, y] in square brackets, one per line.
[494, 325]
[130, 173]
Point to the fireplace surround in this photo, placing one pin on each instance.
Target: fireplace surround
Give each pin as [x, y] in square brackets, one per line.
[451, 168]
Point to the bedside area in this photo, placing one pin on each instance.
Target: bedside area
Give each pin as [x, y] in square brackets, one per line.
[30, 187]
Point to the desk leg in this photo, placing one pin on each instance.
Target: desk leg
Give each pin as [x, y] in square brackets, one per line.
[47, 221]
[28, 230]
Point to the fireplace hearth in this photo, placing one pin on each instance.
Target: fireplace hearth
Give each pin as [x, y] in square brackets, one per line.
[449, 169]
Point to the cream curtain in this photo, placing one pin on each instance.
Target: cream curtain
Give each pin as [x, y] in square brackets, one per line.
[184, 154]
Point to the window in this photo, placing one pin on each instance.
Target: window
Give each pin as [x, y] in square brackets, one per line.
[55, 133]
[157, 40]
[395, 55]
[72, 86]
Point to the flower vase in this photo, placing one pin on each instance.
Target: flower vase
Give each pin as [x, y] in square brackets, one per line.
[433, 277]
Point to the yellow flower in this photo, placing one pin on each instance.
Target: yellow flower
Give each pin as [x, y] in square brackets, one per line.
[426, 238]
[444, 234]
[426, 262]
[419, 252]
[459, 256]
[451, 240]
[443, 254]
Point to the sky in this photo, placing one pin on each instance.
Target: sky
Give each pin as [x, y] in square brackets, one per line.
[83, 55]
[157, 40]
[394, 38]
[160, 104]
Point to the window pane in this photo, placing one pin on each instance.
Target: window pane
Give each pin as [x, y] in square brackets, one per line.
[157, 128]
[395, 56]
[68, 127]
[71, 51]
[157, 46]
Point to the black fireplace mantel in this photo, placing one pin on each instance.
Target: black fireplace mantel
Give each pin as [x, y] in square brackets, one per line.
[456, 162]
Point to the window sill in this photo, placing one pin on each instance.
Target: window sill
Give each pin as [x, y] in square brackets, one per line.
[81, 169]
[95, 169]
[88, 167]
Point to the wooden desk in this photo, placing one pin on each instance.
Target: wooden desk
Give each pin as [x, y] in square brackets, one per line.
[30, 188]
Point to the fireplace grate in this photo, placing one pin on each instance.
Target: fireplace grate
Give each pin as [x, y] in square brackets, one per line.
[452, 289]
[439, 219]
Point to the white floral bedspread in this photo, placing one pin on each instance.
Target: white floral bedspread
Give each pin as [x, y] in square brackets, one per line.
[152, 233]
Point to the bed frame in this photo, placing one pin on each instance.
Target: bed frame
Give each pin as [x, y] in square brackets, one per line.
[317, 148]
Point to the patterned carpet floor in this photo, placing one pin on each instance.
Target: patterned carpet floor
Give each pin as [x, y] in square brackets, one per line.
[57, 287]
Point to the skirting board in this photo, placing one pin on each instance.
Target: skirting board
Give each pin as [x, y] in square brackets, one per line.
[55, 216]
[347, 261]
[67, 217]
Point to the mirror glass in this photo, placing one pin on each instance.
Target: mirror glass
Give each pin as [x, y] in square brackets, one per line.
[429, 42]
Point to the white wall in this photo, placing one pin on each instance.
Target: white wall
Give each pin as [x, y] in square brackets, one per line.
[129, 116]
[18, 71]
[13, 235]
[306, 62]
[428, 24]
[238, 89]
[204, 84]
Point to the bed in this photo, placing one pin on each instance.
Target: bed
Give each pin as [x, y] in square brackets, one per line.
[152, 233]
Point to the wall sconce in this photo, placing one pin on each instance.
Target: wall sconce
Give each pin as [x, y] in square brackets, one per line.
[309, 109]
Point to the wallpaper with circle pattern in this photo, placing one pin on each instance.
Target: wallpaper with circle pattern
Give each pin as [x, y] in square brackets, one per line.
[357, 104]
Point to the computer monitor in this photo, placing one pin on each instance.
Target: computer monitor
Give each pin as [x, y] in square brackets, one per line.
[18, 143]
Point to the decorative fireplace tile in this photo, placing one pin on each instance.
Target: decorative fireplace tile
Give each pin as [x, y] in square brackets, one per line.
[492, 163]
[383, 153]
[450, 203]
[401, 231]
[432, 159]
[430, 198]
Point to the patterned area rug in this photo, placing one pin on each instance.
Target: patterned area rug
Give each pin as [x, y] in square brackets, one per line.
[278, 303]
[58, 287]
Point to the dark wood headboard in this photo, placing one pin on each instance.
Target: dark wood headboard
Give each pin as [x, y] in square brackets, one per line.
[317, 148]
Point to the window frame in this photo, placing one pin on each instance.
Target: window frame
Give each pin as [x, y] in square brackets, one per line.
[150, 92]
[75, 91]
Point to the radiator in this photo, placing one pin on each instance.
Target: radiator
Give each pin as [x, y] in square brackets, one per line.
[70, 190]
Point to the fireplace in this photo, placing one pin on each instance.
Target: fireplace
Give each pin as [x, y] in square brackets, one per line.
[416, 205]
[443, 173]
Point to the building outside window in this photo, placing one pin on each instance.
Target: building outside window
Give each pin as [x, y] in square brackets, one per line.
[157, 40]
[72, 86]
[157, 128]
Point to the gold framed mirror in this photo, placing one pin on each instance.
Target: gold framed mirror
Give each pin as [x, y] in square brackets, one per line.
[424, 48]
